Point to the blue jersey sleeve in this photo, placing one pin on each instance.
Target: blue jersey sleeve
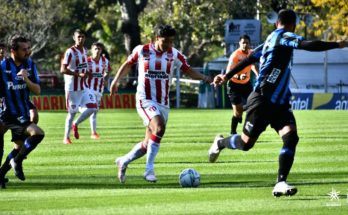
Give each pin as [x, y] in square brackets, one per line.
[291, 40]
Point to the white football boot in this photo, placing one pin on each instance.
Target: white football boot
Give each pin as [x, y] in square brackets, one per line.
[121, 174]
[214, 150]
[150, 176]
[283, 189]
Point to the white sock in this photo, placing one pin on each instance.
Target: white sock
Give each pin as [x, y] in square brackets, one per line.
[93, 122]
[137, 152]
[68, 124]
[152, 150]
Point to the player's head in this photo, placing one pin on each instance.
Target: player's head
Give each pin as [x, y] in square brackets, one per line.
[96, 49]
[79, 37]
[2, 50]
[287, 18]
[165, 35]
[244, 42]
[20, 48]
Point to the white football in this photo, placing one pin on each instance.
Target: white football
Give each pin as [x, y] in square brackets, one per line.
[189, 178]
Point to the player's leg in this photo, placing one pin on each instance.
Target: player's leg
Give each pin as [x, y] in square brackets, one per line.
[157, 127]
[72, 101]
[88, 106]
[93, 117]
[290, 139]
[255, 123]
[237, 117]
[34, 136]
[5, 167]
[138, 151]
[2, 133]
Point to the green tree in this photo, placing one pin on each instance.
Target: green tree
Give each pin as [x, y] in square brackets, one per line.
[199, 24]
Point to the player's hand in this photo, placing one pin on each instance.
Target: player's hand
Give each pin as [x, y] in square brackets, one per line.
[23, 73]
[342, 43]
[208, 79]
[113, 88]
[218, 80]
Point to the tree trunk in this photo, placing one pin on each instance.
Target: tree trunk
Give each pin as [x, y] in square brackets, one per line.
[130, 26]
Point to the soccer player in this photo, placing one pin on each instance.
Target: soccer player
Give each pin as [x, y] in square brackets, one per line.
[77, 94]
[100, 68]
[269, 104]
[33, 111]
[156, 62]
[239, 86]
[18, 78]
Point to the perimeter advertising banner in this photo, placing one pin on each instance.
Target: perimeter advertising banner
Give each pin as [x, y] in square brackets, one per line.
[57, 102]
[308, 101]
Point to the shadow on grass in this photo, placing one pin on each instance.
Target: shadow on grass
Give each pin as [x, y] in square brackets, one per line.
[167, 181]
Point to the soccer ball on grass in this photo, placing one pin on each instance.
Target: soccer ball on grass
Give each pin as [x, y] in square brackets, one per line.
[189, 178]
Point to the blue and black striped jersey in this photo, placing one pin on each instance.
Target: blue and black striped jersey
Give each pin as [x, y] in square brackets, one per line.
[275, 66]
[14, 92]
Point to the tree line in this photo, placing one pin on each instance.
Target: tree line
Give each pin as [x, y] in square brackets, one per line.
[123, 24]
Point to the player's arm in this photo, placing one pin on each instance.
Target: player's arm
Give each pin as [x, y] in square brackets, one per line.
[255, 70]
[33, 87]
[220, 79]
[318, 45]
[197, 75]
[123, 71]
[253, 58]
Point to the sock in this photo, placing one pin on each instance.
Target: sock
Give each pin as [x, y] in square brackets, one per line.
[234, 142]
[137, 151]
[1, 147]
[29, 145]
[68, 124]
[287, 154]
[152, 150]
[6, 165]
[286, 159]
[84, 115]
[234, 123]
[93, 122]
[231, 142]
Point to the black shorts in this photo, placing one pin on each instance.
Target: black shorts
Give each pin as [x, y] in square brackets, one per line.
[31, 105]
[261, 113]
[238, 93]
[17, 130]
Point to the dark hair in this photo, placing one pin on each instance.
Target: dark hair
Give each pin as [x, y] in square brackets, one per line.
[79, 31]
[15, 40]
[287, 17]
[165, 31]
[99, 44]
[2, 45]
[245, 37]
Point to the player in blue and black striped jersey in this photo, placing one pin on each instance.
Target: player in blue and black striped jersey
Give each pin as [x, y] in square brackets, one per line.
[269, 103]
[18, 78]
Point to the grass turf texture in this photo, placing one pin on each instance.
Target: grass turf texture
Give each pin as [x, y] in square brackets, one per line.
[81, 178]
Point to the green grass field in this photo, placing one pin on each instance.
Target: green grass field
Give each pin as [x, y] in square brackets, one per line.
[81, 178]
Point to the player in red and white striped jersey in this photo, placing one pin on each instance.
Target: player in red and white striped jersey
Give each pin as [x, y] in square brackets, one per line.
[156, 62]
[75, 69]
[99, 67]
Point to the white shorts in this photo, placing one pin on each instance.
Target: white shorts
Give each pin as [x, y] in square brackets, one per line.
[76, 99]
[148, 109]
[98, 95]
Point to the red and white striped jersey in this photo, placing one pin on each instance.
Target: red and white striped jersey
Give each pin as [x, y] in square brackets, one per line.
[98, 70]
[76, 61]
[155, 71]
